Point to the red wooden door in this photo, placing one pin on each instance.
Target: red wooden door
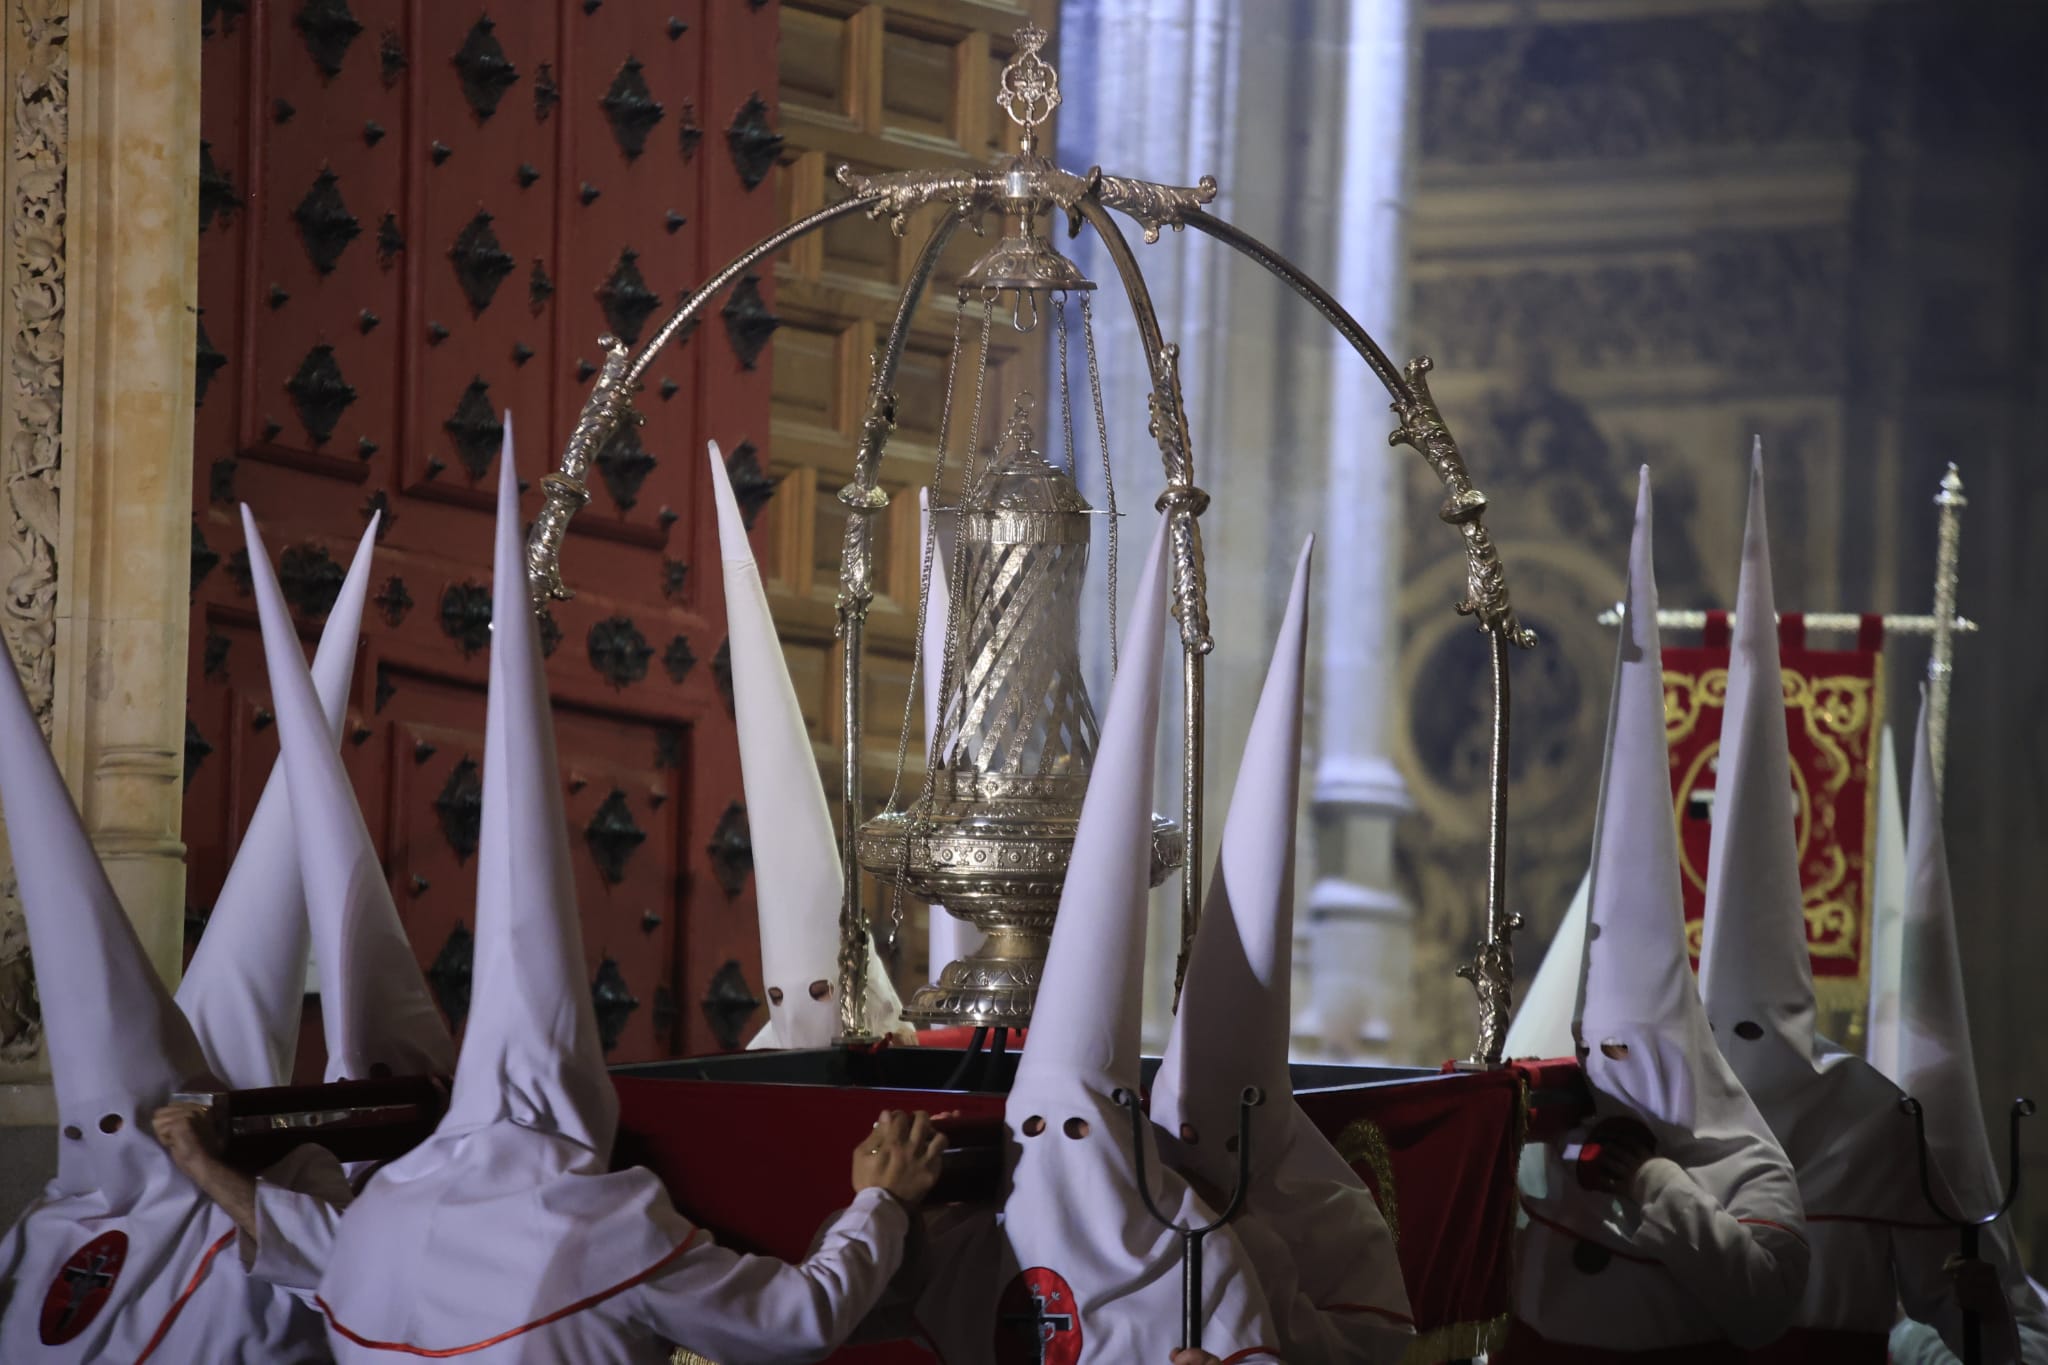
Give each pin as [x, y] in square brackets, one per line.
[416, 215]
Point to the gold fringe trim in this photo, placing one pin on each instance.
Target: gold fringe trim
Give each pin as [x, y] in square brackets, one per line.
[1457, 1341]
[685, 1357]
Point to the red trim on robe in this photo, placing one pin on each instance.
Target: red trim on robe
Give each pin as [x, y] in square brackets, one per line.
[1387, 1313]
[1577, 1236]
[1793, 1233]
[205, 1264]
[1250, 1353]
[443, 1353]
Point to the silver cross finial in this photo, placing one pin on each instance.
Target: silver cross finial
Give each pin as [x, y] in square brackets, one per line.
[1030, 87]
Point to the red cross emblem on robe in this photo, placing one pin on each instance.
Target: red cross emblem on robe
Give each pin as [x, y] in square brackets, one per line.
[82, 1288]
[1038, 1321]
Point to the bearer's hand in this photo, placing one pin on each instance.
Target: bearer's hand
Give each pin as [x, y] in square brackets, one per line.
[1977, 1288]
[1622, 1154]
[900, 1155]
[187, 1135]
[1194, 1357]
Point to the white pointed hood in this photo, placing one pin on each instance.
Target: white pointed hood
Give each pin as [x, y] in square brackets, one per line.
[245, 988]
[1755, 975]
[507, 1213]
[1643, 1034]
[1835, 1116]
[374, 1006]
[1542, 1026]
[530, 1050]
[1888, 896]
[1937, 1064]
[1326, 1251]
[1073, 1210]
[118, 1046]
[947, 938]
[797, 882]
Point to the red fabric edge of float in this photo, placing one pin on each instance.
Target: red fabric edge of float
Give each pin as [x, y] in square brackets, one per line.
[163, 1328]
[443, 1353]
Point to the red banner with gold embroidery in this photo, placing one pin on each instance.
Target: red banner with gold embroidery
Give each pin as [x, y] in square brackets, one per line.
[1833, 711]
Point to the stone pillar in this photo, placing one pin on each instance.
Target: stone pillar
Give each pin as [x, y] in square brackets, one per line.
[1353, 946]
[101, 288]
[1171, 90]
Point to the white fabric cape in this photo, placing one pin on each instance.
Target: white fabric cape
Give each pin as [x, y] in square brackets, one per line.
[1314, 1234]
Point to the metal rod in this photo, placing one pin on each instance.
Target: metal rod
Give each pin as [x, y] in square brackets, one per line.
[1968, 1228]
[864, 498]
[563, 492]
[1941, 662]
[1191, 1237]
[1184, 503]
[1828, 622]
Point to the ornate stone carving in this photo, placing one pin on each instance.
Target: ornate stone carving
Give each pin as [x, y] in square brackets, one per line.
[1754, 303]
[31, 453]
[1539, 92]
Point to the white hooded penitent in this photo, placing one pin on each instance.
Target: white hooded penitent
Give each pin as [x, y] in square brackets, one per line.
[121, 1250]
[1077, 1263]
[1835, 1115]
[797, 882]
[1709, 1244]
[457, 1241]
[1937, 1063]
[1314, 1234]
[375, 1009]
[244, 991]
[507, 1234]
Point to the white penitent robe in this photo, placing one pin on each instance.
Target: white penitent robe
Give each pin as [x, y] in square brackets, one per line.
[1672, 1267]
[1875, 1244]
[1916, 1343]
[718, 1303]
[79, 1287]
[299, 1204]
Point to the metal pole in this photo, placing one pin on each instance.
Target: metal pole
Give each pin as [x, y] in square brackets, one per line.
[1941, 662]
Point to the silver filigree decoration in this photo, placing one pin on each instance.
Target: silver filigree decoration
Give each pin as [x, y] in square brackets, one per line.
[32, 449]
[1029, 88]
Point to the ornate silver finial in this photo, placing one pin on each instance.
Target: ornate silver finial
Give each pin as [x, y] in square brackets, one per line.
[1030, 87]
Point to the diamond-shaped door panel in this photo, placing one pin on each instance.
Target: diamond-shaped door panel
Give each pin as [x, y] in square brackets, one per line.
[630, 270]
[486, 218]
[313, 268]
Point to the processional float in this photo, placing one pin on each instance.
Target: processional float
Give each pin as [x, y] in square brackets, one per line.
[988, 834]
[749, 1144]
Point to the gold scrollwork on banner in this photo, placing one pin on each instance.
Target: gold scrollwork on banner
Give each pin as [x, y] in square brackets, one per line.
[1686, 696]
[1364, 1143]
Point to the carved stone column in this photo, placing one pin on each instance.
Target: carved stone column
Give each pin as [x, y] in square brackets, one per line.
[102, 220]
